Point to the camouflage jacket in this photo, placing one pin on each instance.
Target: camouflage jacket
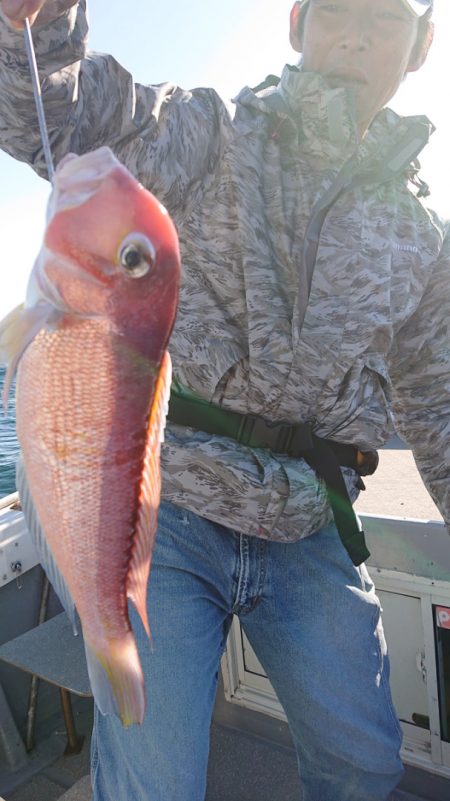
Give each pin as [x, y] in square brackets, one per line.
[275, 203]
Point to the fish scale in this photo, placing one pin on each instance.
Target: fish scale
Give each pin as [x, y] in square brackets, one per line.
[76, 468]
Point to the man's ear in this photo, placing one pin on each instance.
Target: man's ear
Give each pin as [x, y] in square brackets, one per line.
[294, 34]
[420, 52]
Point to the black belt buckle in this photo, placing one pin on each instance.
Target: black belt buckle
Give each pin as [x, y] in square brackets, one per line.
[301, 440]
[256, 432]
[287, 438]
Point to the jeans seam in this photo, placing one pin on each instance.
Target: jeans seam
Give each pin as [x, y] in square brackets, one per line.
[242, 582]
[262, 551]
[262, 566]
[95, 760]
[390, 705]
[385, 686]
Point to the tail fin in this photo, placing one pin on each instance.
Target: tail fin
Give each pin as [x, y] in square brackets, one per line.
[116, 679]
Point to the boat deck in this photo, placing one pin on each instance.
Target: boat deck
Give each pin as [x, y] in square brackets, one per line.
[242, 767]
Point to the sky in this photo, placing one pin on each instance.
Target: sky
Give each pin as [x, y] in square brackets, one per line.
[201, 43]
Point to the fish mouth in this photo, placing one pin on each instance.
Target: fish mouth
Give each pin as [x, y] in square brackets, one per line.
[95, 275]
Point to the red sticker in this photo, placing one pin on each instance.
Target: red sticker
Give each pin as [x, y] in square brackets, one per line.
[443, 617]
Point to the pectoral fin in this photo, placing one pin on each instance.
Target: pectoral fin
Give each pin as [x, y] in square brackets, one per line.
[17, 330]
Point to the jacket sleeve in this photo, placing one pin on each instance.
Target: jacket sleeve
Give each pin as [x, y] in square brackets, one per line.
[420, 373]
[168, 138]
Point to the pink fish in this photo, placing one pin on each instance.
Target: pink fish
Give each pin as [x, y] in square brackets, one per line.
[93, 380]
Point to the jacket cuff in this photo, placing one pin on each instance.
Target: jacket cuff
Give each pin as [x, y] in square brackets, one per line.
[59, 40]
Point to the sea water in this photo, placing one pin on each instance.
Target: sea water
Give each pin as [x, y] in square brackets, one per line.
[9, 447]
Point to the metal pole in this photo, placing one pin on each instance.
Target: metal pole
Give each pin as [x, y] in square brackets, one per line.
[34, 687]
[74, 741]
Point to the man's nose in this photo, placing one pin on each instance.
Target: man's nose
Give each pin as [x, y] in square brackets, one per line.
[356, 37]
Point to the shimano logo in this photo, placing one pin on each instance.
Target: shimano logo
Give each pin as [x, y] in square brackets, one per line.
[406, 248]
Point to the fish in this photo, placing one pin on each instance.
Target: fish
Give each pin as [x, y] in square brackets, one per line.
[89, 350]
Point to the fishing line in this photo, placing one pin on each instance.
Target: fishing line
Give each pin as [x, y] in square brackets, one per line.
[38, 99]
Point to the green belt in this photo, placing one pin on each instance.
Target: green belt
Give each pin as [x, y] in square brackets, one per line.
[297, 440]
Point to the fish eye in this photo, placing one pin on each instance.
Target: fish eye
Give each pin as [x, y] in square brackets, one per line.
[137, 256]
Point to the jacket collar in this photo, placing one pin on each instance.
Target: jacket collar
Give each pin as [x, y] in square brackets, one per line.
[325, 120]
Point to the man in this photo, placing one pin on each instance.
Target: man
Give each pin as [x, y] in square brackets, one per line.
[315, 296]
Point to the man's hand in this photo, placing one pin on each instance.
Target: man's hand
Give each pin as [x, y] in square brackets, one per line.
[16, 11]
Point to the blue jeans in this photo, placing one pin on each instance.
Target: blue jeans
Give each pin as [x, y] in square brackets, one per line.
[313, 620]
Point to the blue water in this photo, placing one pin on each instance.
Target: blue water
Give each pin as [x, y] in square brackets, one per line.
[9, 447]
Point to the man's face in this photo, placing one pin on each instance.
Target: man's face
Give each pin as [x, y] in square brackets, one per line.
[365, 46]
